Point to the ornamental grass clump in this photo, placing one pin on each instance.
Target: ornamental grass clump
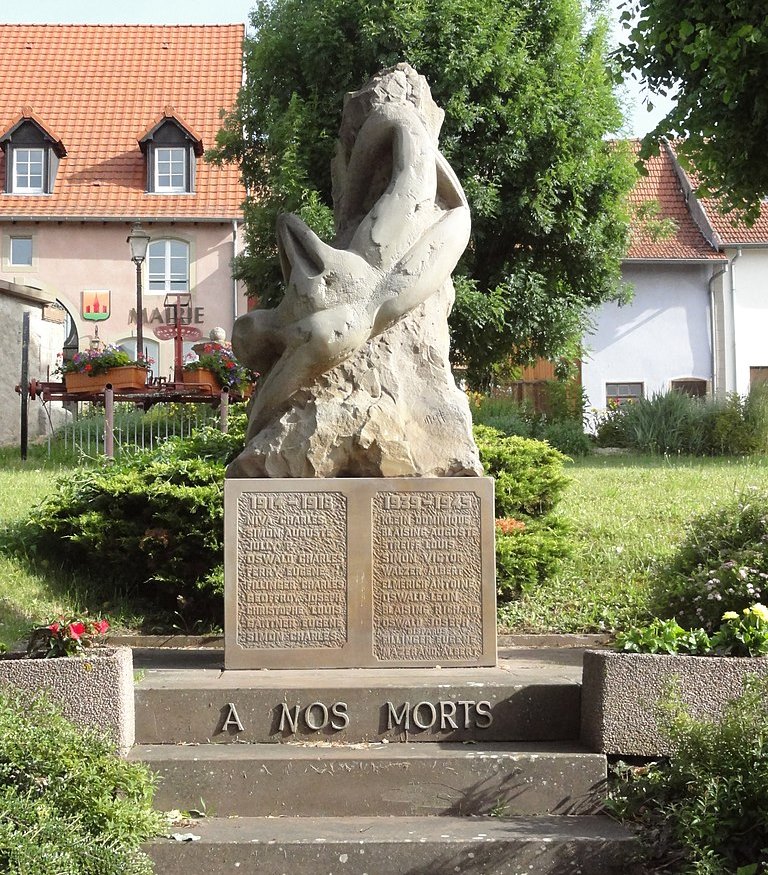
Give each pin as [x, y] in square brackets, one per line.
[704, 810]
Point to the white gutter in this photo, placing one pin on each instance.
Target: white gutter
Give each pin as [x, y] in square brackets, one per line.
[732, 338]
[234, 281]
[713, 326]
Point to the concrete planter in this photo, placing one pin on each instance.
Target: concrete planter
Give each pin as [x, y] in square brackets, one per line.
[620, 695]
[95, 690]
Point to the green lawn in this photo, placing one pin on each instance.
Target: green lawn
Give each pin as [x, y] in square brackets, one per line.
[626, 513]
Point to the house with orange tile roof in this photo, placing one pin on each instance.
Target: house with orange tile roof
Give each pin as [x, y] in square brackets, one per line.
[102, 126]
[662, 339]
[698, 318]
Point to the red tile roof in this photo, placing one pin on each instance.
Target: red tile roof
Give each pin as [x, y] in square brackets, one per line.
[730, 230]
[661, 186]
[101, 87]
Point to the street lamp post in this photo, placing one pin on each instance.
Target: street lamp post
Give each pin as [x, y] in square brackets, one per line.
[138, 240]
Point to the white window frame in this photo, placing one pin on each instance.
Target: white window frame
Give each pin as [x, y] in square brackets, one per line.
[171, 279]
[11, 260]
[18, 186]
[173, 159]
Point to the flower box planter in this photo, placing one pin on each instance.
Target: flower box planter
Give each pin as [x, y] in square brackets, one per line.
[95, 690]
[127, 377]
[620, 694]
[204, 379]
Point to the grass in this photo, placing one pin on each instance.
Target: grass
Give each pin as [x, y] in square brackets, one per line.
[627, 514]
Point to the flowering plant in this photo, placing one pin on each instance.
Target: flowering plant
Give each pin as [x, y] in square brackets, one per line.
[220, 360]
[744, 634]
[65, 636]
[97, 361]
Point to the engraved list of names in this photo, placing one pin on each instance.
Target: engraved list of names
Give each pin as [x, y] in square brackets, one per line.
[427, 576]
[292, 570]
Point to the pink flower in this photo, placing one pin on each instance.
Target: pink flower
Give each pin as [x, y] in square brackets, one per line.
[76, 630]
[54, 627]
[101, 626]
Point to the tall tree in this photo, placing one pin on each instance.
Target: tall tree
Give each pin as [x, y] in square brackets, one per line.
[714, 56]
[528, 103]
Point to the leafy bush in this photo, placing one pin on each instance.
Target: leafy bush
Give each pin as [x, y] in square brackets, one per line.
[530, 539]
[705, 811]
[568, 437]
[528, 554]
[722, 564]
[68, 802]
[744, 634]
[528, 473]
[163, 509]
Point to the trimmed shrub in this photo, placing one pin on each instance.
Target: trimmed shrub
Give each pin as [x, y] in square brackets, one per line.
[530, 539]
[68, 802]
[528, 554]
[163, 509]
[722, 564]
[528, 473]
[705, 810]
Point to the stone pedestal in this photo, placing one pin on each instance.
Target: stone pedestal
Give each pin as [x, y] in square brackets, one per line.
[359, 573]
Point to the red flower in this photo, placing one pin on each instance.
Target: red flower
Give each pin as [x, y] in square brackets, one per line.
[54, 627]
[101, 626]
[88, 367]
[76, 630]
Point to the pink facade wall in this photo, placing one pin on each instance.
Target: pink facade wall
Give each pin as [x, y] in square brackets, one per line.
[70, 258]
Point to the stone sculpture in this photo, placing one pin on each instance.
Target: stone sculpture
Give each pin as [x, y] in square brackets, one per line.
[354, 360]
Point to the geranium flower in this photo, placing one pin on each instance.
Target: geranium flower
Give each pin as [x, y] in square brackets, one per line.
[101, 626]
[76, 630]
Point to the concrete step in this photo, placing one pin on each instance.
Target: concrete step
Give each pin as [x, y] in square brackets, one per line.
[589, 845]
[526, 699]
[302, 780]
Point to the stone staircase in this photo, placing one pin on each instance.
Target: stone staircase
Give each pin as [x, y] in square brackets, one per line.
[407, 772]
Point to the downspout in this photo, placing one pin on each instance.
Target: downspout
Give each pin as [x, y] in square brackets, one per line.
[713, 325]
[732, 350]
[234, 281]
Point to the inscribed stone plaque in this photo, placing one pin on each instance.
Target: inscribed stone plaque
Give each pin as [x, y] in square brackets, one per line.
[292, 570]
[427, 576]
[359, 572]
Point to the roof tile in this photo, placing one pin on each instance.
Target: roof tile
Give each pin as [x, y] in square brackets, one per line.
[99, 87]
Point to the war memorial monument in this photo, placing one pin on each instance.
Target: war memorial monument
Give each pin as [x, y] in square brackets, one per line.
[359, 530]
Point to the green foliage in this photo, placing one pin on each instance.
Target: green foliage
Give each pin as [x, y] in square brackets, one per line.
[714, 56]
[721, 565]
[162, 508]
[744, 634]
[672, 422]
[530, 540]
[528, 102]
[663, 636]
[705, 811]
[528, 473]
[68, 802]
[561, 423]
[527, 555]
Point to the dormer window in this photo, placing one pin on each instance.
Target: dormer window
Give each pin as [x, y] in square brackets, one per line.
[28, 171]
[171, 169]
[32, 153]
[171, 150]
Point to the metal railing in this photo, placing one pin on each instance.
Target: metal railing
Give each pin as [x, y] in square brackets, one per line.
[116, 429]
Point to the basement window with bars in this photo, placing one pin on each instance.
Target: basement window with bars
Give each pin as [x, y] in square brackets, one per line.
[622, 393]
